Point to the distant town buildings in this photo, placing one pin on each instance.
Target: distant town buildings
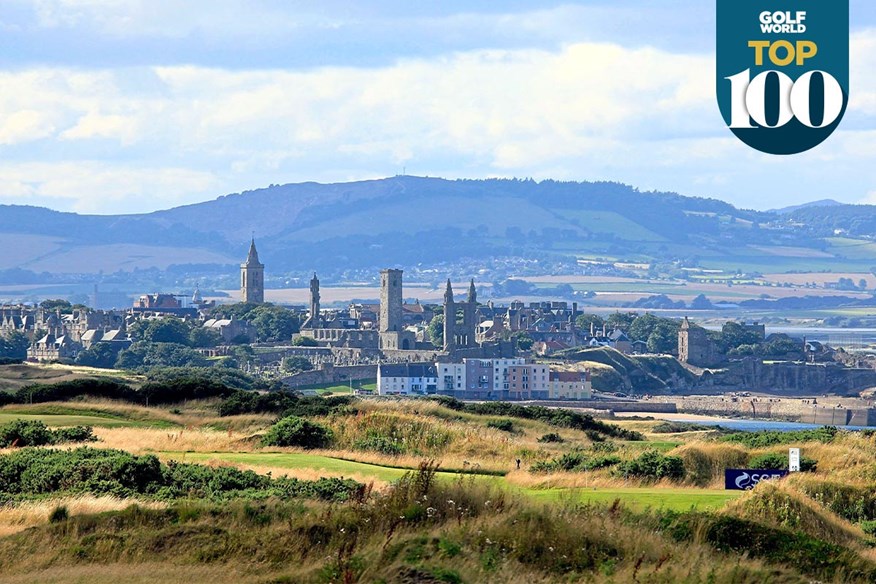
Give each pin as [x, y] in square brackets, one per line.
[484, 379]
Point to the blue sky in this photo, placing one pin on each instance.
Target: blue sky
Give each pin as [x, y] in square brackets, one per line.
[130, 106]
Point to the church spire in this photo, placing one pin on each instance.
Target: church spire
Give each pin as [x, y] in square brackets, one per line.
[472, 293]
[253, 258]
[448, 293]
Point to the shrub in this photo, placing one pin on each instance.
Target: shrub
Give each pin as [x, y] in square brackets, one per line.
[59, 514]
[766, 438]
[575, 462]
[22, 433]
[66, 390]
[25, 433]
[379, 443]
[36, 471]
[776, 460]
[503, 425]
[653, 465]
[677, 427]
[251, 402]
[74, 434]
[295, 431]
[559, 417]
[553, 437]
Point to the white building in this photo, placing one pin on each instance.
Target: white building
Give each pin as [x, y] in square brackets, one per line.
[406, 379]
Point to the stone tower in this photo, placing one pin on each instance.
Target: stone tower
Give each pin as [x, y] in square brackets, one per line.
[252, 278]
[694, 346]
[314, 302]
[391, 301]
[449, 319]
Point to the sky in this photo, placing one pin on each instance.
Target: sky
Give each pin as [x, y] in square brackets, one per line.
[130, 106]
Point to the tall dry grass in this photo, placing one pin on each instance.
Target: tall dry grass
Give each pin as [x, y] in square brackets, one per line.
[140, 440]
[17, 517]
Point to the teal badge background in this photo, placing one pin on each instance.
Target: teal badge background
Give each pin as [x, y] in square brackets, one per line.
[738, 22]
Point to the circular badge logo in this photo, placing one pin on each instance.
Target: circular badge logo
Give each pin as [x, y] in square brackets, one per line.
[782, 71]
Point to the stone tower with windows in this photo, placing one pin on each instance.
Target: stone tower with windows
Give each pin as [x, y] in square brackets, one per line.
[694, 345]
[252, 277]
[390, 301]
[393, 336]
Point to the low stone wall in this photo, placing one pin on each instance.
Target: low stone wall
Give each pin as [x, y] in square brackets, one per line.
[331, 374]
[828, 411]
[614, 406]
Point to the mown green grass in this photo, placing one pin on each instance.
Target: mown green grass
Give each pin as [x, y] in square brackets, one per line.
[72, 420]
[680, 499]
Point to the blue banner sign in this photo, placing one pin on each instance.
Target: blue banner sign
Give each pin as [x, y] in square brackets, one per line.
[743, 479]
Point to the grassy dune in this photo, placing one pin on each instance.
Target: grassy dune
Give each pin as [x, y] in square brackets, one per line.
[13, 377]
[472, 517]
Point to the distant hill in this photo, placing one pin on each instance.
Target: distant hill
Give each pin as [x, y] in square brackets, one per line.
[821, 203]
[408, 220]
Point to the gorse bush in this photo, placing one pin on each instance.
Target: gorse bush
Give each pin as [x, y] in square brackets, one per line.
[22, 433]
[575, 462]
[164, 386]
[295, 431]
[652, 465]
[854, 503]
[286, 404]
[559, 417]
[766, 438]
[38, 471]
[376, 442]
[551, 438]
[251, 402]
[677, 427]
[503, 425]
[775, 460]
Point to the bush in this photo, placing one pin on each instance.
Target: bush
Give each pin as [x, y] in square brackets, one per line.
[25, 433]
[779, 461]
[36, 471]
[559, 417]
[21, 433]
[575, 462]
[766, 438]
[379, 443]
[503, 425]
[74, 434]
[59, 514]
[677, 427]
[66, 390]
[653, 465]
[552, 437]
[295, 431]
[251, 402]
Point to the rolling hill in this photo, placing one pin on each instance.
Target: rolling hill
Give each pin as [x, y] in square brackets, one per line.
[408, 221]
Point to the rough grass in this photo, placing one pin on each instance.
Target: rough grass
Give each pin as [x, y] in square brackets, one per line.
[421, 530]
[15, 517]
[780, 504]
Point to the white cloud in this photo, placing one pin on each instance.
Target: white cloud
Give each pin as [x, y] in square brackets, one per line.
[583, 111]
[24, 126]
